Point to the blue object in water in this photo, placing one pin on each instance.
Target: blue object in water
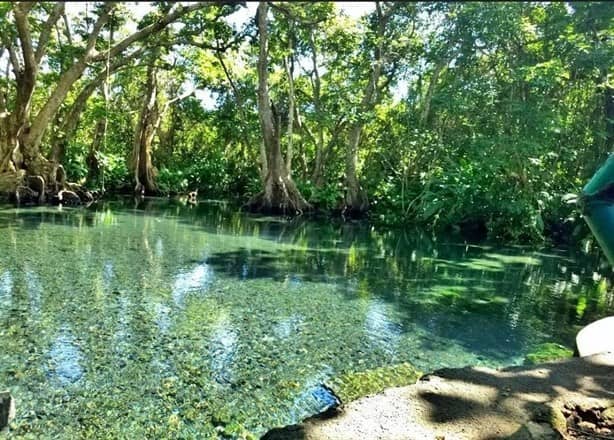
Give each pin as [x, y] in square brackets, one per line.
[325, 397]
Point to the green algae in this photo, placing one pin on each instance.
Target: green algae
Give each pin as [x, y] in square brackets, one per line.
[352, 386]
[548, 352]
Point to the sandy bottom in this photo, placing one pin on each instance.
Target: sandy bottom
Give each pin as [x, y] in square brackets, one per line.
[471, 403]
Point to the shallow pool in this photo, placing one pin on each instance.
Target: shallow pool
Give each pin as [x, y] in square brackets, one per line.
[157, 319]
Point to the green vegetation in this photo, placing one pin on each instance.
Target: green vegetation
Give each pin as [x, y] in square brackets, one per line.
[548, 352]
[352, 386]
[473, 116]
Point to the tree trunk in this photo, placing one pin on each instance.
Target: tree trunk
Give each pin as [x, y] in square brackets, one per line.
[240, 106]
[426, 106]
[22, 154]
[609, 117]
[7, 409]
[144, 176]
[318, 172]
[21, 160]
[264, 168]
[280, 195]
[290, 131]
[71, 116]
[356, 202]
[93, 166]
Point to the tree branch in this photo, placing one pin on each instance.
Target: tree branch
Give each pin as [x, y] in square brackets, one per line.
[103, 18]
[3, 111]
[148, 30]
[20, 12]
[218, 47]
[43, 40]
[292, 16]
[176, 99]
[13, 57]
[66, 81]
[67, 28]
[72, 118]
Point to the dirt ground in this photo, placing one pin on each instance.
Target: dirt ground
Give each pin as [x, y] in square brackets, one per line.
[530, 402]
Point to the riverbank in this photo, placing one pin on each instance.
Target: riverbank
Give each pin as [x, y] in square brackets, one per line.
[555, 234]
[562, 399]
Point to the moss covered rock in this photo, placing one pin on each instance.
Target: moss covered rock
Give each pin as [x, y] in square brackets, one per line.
[547, 352]
[352, 386]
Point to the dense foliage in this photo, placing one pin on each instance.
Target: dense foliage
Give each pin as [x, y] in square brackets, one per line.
[478, 117]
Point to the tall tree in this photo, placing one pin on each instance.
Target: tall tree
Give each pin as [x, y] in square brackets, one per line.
[148, 123]
[279, 194]
[387, 25]
[23, 131]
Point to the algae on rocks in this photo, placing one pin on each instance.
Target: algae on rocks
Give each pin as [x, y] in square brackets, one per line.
[351, 386]
[547, 352]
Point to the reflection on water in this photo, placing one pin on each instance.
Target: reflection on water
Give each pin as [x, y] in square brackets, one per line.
[196, 279]
[6, 285]
[380, 329]
[65, 358]
[222, 352]
[161, 321]
[159, 248]
[34, 290]
[107, 274]
[287, 326]
[121, 343]
[162, 317]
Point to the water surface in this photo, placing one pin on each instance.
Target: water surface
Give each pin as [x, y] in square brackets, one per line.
[157, 320]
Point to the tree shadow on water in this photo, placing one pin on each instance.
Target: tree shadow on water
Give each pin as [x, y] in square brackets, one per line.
[443, 310]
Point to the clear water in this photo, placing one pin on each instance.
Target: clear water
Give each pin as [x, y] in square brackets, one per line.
[158, 320]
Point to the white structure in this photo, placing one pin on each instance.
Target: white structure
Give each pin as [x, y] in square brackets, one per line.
[597, 337]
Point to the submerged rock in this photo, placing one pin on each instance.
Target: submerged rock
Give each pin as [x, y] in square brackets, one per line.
[325, 397]
[608, 415]
[596, 337]
[37, 184]
[25, 196]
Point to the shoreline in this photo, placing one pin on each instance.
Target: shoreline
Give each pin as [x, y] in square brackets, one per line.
[519, 402]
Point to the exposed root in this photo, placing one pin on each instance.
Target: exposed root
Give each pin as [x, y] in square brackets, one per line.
[83, 193]
[280, 197]
[356, 205]
[11, 180]
[25, 189]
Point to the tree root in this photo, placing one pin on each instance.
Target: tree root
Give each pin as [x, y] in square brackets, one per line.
[11, 180]
[23, 189]
[280, 197]
[356, 205]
